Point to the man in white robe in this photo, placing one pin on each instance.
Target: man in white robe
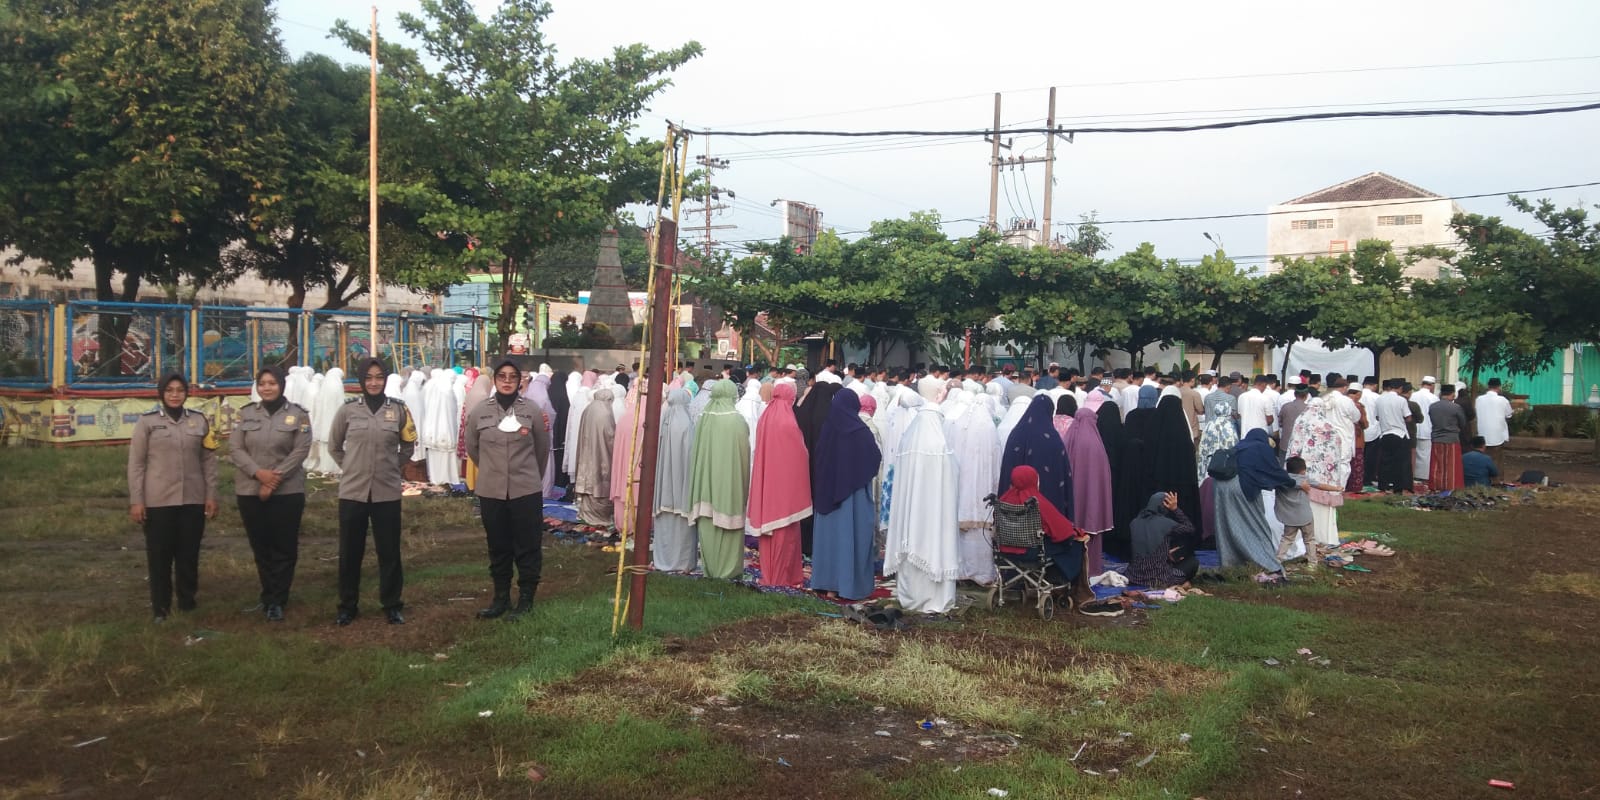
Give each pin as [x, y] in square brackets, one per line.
[1424, 398]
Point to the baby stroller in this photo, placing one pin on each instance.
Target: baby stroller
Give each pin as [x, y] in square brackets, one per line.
[1020, 558]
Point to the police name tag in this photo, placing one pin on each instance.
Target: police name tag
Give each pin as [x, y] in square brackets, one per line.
[388, 415]
[288, 420]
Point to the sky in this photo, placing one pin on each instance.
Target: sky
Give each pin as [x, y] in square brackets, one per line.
[935, 65]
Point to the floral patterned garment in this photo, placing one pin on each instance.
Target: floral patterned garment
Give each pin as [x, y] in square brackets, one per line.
[1218, 435]
[1319, 440]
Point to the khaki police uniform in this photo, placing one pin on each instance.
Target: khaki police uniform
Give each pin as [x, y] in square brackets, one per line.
[510, 490]
[172, 472]
[369, 446]
[278, 441]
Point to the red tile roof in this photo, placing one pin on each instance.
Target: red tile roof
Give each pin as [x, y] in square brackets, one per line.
[1371, 186]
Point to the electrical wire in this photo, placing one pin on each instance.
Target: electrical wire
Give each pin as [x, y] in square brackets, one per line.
[1212, 126]
[1033, 213]
[1411, 201]
[1184, 79]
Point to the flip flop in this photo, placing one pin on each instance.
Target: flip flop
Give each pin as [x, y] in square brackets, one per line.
[1376, 549]
[1356, 568]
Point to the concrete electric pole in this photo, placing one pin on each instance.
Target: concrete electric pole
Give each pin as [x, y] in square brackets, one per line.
[713, 193]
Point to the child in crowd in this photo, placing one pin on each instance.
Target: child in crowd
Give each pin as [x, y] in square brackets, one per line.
[1293, 507]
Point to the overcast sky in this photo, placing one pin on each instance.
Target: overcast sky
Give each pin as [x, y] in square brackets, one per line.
[874, 64]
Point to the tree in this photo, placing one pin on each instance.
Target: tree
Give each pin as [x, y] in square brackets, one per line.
[1144, 290]
[1519, 299]
[1288, 299]
[149, 129]
[562, 269]
[1370, 303]
[1050, 295]
[1087, 238]
[528, 151]
[1218, 305]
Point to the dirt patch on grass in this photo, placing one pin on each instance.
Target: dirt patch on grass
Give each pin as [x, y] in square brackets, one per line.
[1448, 670]
[825, 698]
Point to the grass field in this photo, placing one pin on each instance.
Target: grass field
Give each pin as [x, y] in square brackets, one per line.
[1466, 657]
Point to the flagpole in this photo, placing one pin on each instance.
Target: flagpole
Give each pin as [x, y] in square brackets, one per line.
[372, 197]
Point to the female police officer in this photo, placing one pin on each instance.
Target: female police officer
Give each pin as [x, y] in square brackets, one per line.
[172, 490]
[508, 437]
[371, 436]
[269, 445]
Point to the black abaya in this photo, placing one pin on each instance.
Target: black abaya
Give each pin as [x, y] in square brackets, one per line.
[1175, 457]
[810, 414]
[563, 406]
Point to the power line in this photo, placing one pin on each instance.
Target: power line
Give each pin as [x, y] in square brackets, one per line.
[1412, 201]
[919, 142]
[1246, 215]
[1243, 123]
[1185, 79]
[1033, 213]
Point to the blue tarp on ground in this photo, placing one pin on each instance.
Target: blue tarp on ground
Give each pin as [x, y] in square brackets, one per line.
[566, 512]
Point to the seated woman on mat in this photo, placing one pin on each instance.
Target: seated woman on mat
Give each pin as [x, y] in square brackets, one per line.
[1163, 550]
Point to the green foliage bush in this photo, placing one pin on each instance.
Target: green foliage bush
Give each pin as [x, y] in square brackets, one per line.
[596, 335]
[1564, 422]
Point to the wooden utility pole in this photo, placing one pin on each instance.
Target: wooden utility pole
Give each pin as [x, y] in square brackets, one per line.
[1049, 164]
[661, 314]
[372, 196]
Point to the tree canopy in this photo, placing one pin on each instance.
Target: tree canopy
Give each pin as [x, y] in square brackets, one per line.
[1510, 298]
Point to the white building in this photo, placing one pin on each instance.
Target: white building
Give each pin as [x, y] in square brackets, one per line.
[1333, 220]
[1374, 206]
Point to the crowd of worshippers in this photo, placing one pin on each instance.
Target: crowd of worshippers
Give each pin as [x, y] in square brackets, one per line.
[863, 471]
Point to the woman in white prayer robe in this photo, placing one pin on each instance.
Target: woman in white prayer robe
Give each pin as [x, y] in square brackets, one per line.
[323, 407]
[414, 396]
[440, 428]
[1008, 423]
[578, 396]
[922, 547]
[971, 433]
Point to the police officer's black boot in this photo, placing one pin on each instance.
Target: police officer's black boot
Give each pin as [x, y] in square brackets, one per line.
[497, 608]
[524, 603]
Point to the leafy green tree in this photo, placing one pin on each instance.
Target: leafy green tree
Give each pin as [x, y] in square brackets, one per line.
[1218, 305]
[1087, 238]
[314, 232]
[1050, 295]
[1370, 304]
[1288, 300]
[146, 134]
[562, 269]
[527, 150]
[1518, 299]
[1143, 291]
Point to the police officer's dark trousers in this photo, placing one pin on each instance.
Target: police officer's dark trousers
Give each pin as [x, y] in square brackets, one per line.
[384, 518]
[172, 545]
[515, 532]
[273, 527]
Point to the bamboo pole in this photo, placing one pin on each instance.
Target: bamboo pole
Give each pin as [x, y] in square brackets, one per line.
[372, 196]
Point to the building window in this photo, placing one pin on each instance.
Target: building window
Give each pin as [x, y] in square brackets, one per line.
[1401, 219]
[1311, 224]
